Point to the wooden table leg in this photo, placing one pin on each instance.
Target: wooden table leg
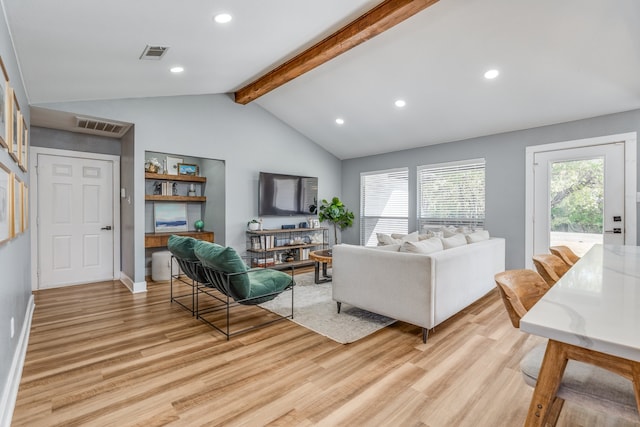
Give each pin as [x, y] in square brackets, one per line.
[549, 378]
[635, 370]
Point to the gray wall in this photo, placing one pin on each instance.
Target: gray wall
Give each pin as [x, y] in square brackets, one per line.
[64, 140]
[214, 217]
[127, 208]
[247, 138]
[505, 172]
[15, 262]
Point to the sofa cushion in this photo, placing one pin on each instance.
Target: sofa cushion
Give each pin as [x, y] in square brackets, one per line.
[453, 241]
[265, 284]
[182, 247]
[477, 236]
[227, 260]
[428, 246]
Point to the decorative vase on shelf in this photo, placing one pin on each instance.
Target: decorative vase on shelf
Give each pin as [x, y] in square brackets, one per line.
[199, 225]
[254, 226]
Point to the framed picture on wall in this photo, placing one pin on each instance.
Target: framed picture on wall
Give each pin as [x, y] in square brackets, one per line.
[187, 169]
[24, 145]
[6, 217]
[172, 165]
[4, 99]
[14, 143]
[17, 205]
[170, 217]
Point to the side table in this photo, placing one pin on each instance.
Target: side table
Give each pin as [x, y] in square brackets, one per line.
[321, 257]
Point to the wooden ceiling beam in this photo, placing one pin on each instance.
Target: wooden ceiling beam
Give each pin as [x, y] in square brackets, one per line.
[379, 19]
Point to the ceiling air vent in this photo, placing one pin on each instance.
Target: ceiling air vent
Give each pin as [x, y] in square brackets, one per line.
[101, 127]
[154, 52]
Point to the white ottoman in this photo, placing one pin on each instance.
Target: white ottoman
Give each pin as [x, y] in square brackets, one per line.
[161, 266]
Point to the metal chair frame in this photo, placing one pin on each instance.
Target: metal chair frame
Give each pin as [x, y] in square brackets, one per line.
[193, 270]
[218, 287]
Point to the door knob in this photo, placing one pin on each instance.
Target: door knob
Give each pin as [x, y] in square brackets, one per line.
[108, 227]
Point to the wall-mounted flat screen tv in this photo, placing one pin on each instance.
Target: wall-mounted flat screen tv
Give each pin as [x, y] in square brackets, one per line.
[287, 195]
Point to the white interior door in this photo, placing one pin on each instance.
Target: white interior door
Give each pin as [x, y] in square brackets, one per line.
[75, 220]
[607, 169]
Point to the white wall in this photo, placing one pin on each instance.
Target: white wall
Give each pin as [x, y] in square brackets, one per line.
[247, 138]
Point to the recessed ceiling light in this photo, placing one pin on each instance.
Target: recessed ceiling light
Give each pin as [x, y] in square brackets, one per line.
[491, 74]
[340, 121]
[400, 103]
[223, 18]
[176, 69]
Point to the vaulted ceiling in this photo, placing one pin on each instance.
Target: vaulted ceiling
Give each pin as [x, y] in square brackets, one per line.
[558, 61]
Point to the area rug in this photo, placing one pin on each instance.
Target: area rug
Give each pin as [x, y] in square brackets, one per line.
[314, 309]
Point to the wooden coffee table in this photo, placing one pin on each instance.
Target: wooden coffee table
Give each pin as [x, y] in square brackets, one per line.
[321, 257]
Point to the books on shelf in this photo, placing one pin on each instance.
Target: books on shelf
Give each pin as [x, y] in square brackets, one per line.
[303, 254]
[168, 188]
[267, 242]
[263, 262]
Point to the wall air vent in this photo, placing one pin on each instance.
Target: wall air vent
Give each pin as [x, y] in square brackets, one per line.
[101, 127]
[154, 52]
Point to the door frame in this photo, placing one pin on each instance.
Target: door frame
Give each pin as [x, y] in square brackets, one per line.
[630, 164]
[33, 202]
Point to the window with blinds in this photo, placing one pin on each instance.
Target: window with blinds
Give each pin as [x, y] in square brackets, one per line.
[384, 204]
[451, 194]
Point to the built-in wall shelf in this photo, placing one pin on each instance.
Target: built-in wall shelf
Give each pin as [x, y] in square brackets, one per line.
[159, 198]
[181, 186]
[164, 177]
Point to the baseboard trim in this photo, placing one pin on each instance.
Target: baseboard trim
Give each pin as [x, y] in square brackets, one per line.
[134, 287]
[10, 392]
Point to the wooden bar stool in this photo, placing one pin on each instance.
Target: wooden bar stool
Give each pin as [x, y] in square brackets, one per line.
[550, 267]
[564, 252]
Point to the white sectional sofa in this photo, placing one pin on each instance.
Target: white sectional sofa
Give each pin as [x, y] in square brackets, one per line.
[421, 289]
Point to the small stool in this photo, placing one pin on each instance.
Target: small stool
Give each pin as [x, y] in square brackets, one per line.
[161, 266]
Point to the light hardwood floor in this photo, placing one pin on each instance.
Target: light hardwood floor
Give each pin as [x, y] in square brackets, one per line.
[99, 355]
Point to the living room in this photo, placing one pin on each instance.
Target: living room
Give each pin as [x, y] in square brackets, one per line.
[250, 139]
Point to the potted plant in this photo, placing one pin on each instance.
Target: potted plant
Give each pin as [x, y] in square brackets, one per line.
[336, 213]
[253, 225]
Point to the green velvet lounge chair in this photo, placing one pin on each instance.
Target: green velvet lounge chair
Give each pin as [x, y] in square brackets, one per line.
[235, 284]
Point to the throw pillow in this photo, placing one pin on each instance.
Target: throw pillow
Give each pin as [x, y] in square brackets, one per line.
[428, 246]
[454, 241]
[385, 239]
[477, 236]
[450, 231]
[411, 237]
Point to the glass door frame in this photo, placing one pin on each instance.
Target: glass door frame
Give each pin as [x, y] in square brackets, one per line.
[630, 154]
